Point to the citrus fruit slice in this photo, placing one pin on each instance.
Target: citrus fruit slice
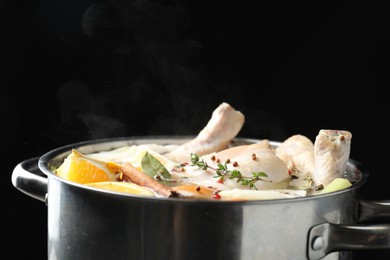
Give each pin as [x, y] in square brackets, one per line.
[83, 169]
[123, 187]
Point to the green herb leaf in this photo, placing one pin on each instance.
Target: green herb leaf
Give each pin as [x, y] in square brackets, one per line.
[259, 174]
[200, 163]
[153, 167]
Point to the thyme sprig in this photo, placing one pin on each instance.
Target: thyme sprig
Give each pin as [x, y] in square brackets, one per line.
[223, 172]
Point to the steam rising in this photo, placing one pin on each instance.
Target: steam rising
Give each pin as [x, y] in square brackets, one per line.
[146, 76]
[85, 115]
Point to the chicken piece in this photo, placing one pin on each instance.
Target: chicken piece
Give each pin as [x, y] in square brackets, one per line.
[224, 124]
[236, 150]
[249, 159]
[331, 154]
[297, 152]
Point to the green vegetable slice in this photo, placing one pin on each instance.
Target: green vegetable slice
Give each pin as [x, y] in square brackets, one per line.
[337, 184]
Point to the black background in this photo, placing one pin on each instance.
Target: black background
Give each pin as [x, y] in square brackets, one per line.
[81, 70]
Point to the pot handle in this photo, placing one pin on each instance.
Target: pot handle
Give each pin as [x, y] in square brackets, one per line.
[27, 178]
[370, 210]
[327, 238]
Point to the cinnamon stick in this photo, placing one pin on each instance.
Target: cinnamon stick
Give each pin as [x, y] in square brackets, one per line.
[142, 179]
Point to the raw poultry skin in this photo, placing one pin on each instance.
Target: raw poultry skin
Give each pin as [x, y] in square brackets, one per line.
[249, 159]
[323, 161]
[331, 154]
[213, 142]
[297, 152]
[224, 124]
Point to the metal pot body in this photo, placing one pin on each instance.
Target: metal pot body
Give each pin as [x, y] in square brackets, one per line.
[87, 223]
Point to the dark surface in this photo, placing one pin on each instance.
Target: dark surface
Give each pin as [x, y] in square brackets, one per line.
[80, 70]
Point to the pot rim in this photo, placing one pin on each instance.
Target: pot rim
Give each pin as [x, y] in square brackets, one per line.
[45, 163]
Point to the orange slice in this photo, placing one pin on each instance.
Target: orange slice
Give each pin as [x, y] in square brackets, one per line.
[123, 187]
[83, 169]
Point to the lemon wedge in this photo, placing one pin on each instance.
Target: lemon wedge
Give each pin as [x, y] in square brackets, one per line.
[123, 187]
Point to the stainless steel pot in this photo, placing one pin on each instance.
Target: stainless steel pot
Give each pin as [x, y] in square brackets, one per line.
[87, 223]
